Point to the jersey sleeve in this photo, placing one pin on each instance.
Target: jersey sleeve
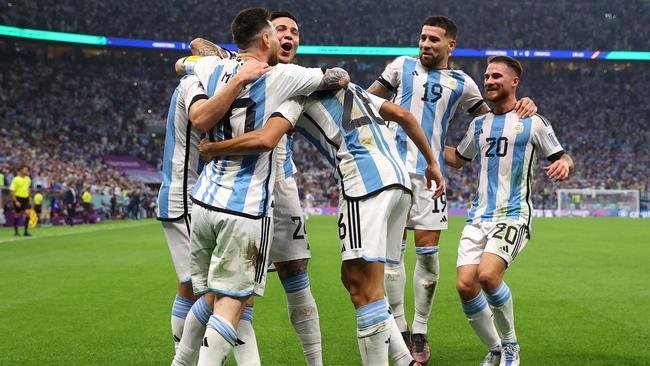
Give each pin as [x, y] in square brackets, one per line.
[290, 109]
[297, 80]
[392, 75]
[471, 99]
[192, 91]
[202, 68]
[376, 101]
[544, 139]
[13, 186]
[467, 148]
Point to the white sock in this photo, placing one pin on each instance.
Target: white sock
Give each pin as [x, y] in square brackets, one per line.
[190, 344]
[373, 333]
[397, 349]
[219, 340]
[500, 301]
[394, 281]
[479, 316]
[246, 352]
[179, 312]
[303, 315]
[425, 283]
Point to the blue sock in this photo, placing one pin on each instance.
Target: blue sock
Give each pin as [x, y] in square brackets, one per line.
[295, 283]
[202, 311]
[474, 305]
[247, 315]
[499, 296]
[224, 328]
[372, 314]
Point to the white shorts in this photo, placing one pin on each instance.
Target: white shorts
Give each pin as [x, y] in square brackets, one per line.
[289, 232]
[228, 253]
[504, 238]
[425, 212]
[372, 228]
[178, 240]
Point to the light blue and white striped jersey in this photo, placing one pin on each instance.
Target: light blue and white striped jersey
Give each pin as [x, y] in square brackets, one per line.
[181, 160]
[346, 128]
[432, 96]
[283, 158]
[243, 185]
[506, 147]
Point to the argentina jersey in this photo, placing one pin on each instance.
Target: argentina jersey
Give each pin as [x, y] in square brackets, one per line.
[284, 162]
[346, 128]
[432, 96]
[243, 185]
[506, 147]
[181, 160]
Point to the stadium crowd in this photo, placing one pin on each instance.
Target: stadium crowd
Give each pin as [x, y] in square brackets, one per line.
[75, 109]
[584, 24]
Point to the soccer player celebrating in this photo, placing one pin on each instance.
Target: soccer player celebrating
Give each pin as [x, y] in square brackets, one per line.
[232, 211]
[346, 128]
[20, 196]
[499, 221]
[181, 168]
[429, 89]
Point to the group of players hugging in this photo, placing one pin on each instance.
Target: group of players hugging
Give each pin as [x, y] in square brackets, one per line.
[230, 208]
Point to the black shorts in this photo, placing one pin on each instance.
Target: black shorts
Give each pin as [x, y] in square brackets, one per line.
[24, 204]
[38, 209]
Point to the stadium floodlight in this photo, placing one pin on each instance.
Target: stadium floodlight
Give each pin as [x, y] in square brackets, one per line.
[598, 202]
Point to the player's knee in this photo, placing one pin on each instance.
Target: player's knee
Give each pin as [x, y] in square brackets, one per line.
[489, 280]
[291, 268]
[465, 288]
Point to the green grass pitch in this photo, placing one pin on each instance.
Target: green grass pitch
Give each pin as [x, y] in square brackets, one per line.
[101, 295]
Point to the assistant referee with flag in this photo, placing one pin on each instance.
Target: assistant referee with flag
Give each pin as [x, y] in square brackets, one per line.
[20, 194]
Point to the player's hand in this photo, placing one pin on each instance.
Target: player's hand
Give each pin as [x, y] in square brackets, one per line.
[204, 150]
[525, 108]
[558, 171]
[251, 71]
[335, 78]
[203, 47]
[17, 203]
[432, 173]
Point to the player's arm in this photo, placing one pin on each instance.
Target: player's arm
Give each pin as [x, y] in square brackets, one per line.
[206, 113]
[393, 112]
[200, 47]
[453, 158]
[525, 108]
[250, 143]
[560, 169]
[387, 82]
[378, 89]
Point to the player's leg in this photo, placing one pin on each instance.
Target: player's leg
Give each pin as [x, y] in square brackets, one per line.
[505, 241]
[394, 281]
[302, 309]
[474, 303]
[290, 254]
[399, 350]
[193, 331]
[177, 234]
[237, 270]
[245, 351]
[427, 217]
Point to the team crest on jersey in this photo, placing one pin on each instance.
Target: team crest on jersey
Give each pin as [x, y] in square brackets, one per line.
[518, 128]
[450, 83]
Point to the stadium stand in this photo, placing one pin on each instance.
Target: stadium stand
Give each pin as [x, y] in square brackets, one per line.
[601, 24]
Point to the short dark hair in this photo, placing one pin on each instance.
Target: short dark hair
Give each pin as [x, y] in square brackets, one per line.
[248, 24]
[283, 14]
[21, 166]
[451, 30]
[511, 62]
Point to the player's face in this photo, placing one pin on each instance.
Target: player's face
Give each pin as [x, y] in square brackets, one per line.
[24, 171]
[435, 47]
[500, 82]
[289, 38]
